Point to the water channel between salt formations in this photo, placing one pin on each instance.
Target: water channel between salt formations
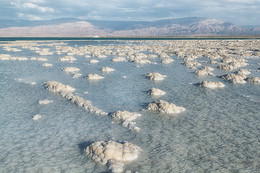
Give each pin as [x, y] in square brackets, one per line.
[218, 129]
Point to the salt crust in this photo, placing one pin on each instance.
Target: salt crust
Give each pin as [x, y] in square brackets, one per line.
[107, 69]
[165, 107]
[70, 69]
[212, 85]
[234, 78]
[204, 71]
[113, 154]
[155, 76]
[156, 92]
[254, 80]
[94, 77]
[126, 118]
[45, 102]
[36, 117]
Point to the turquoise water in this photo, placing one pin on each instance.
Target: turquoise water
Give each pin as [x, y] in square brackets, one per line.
[218, 132]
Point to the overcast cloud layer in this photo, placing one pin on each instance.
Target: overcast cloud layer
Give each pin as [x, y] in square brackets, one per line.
[240, 12]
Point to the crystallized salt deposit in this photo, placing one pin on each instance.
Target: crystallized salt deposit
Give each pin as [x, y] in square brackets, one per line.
[192, 64]
[155, 76]
[38, 59]
[167, 60]
[70, 69]
[254, 80]
[243, 72]
[66, 92]
[204, 71]
[67, 58]
[36, 117]
[212, 85]
[45, 102]
[107, 69]
[119, 59]
[126, 119]
[93, 61]
[94, 77]
[113, 154]
[47, 65]
[156, 92]
[165, 107]
[234, 78]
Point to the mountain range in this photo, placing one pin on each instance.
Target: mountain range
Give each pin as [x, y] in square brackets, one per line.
[72, 27]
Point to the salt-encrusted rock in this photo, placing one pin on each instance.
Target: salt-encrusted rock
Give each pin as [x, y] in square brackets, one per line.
[204, 71]
[66, 92]
[155, 76]
[47, 65]
[36, 117]
[107, 69]
[94, 77]
[67, 58]
[113, 154]
[45, 102]
[212, 85]
[165, 107]
[254, 80]
[70, 69]
[234, 78]
[167, 60]
[243, 72]
[126, 118]
[93, 61]
[156, 92]
[119, 59]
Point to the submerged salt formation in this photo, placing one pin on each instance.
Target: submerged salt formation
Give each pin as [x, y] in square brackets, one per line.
[107, 69]
[254, 80]
[234, 78]
[156, 92]
[126, 118]
[113, 154]
[66, 92]
[204, 71]
[165, 107]
[94, 77]
[45, 102]
[212, 85]
[155, 76]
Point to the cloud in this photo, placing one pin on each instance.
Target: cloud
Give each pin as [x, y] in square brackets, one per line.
[236, 11]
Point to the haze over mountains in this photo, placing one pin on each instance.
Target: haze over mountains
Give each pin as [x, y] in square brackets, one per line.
[72, 27]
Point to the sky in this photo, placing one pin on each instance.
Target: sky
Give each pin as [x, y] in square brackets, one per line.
[239, 12]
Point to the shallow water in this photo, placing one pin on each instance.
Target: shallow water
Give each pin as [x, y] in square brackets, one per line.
[218, 132]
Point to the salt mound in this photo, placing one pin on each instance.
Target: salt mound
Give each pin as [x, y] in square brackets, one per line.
[204, 71]
[67, 58]
[237, 79]
[38, 59]
[93, 61]
[126, 118]
[66, 92]
[36, 117]
[119, 59]
[107, 69]
[113, 154]
[70, 69]
[155, 76]
[167, 60]
[212, 85]
[45, 102]
[254, 80]
[47, 65]
[165, 107]
[156, 92]
[94, 77]
[192, 64]
[243, 72]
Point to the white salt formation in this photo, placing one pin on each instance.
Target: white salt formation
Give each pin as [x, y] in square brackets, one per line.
[192, 64]
[77, 75]
[113, 154]
[155, 76]
[36, 117]
[107, 69]
[204, 71]
[7, 57]
[94, 77]
[47, 65]
[126, 118]
[119, 59]
[254, 80]
[93, 61]
[167, 60]
[38, 59]
[45, 102]
[212, 85]
[66, 92]
[234, 78]
[72, 70]
[156, 92]
[67, 58]
[230, 64]
[243, 72]
[162, 106]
